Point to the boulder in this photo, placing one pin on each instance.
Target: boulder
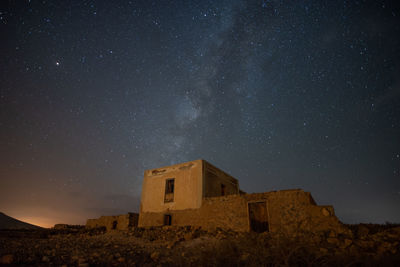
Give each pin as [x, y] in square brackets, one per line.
[7, 259]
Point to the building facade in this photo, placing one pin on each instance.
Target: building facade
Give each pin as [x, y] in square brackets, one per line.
[181, 187]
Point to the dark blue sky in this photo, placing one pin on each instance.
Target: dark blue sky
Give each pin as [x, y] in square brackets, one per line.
[280, 94]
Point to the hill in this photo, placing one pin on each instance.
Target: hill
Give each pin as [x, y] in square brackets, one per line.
[7, 222]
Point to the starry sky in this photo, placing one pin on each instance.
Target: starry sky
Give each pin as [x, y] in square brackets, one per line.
[280, 94]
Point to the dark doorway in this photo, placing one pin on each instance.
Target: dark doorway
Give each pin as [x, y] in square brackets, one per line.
[167, 219]
[258, 216]
[114, 225]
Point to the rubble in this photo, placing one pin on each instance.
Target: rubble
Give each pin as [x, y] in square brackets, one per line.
[169, 246]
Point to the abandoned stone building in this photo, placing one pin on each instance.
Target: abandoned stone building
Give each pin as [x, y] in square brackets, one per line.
[197, 193]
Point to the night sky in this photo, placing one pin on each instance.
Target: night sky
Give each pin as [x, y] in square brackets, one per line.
[280, 94]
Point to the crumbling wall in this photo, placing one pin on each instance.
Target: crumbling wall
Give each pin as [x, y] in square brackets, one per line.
[288, 211]
[291, 211]
[119, 222]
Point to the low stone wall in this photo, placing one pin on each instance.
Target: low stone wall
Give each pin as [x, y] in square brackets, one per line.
[289, 211]
[119, 222]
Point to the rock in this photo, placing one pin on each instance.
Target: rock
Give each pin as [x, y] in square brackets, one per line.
[365, 244]
[347, 242]
[81, 260]
[332, 234]
[45, 259]
[121, 259]
[110, 257]
[75, 258]
[332, 240]
[244, 256]
[220, 235]
[316, 239]
[155, 255]
[171, 244]
[325, 212]
[323, 250]
[7, 259]
[188, 236]
[384, 247]
[362, 231]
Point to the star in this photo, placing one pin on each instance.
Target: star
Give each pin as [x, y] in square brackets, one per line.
[262, 89]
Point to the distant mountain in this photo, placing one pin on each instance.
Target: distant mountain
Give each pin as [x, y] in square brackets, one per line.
[7, 222]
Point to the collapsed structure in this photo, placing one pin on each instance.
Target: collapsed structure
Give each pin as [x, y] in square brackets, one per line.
[119, 222]
[199, 194]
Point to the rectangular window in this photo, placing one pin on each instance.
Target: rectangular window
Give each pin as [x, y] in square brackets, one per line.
[169, 190]
[222, 190]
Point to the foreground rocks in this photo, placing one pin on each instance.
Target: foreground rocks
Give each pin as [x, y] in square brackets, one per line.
[362, 245]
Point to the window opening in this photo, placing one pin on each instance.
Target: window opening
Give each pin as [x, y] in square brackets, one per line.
[169, 190]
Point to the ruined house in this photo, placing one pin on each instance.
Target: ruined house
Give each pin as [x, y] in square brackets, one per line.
[118, 222]
[197, 193]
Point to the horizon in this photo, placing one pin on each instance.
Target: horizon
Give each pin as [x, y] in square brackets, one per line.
[48, 222]
[279, 95]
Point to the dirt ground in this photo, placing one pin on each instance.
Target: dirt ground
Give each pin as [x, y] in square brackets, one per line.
[365, 245]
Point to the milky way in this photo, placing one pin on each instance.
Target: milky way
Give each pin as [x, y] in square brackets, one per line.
[280, 94]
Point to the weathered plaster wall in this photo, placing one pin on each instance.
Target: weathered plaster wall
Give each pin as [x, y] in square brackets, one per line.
[214, 178]
[187, 187]
[119, 222]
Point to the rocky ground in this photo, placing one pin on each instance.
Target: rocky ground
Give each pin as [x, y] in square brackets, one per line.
[363, 245]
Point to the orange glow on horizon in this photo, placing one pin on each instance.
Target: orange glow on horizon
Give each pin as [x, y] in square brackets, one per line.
[42, 222]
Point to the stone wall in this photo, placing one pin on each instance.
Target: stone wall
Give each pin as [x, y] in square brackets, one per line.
[227, 212]
[119, 222]
[288, 211]
[295, 211]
